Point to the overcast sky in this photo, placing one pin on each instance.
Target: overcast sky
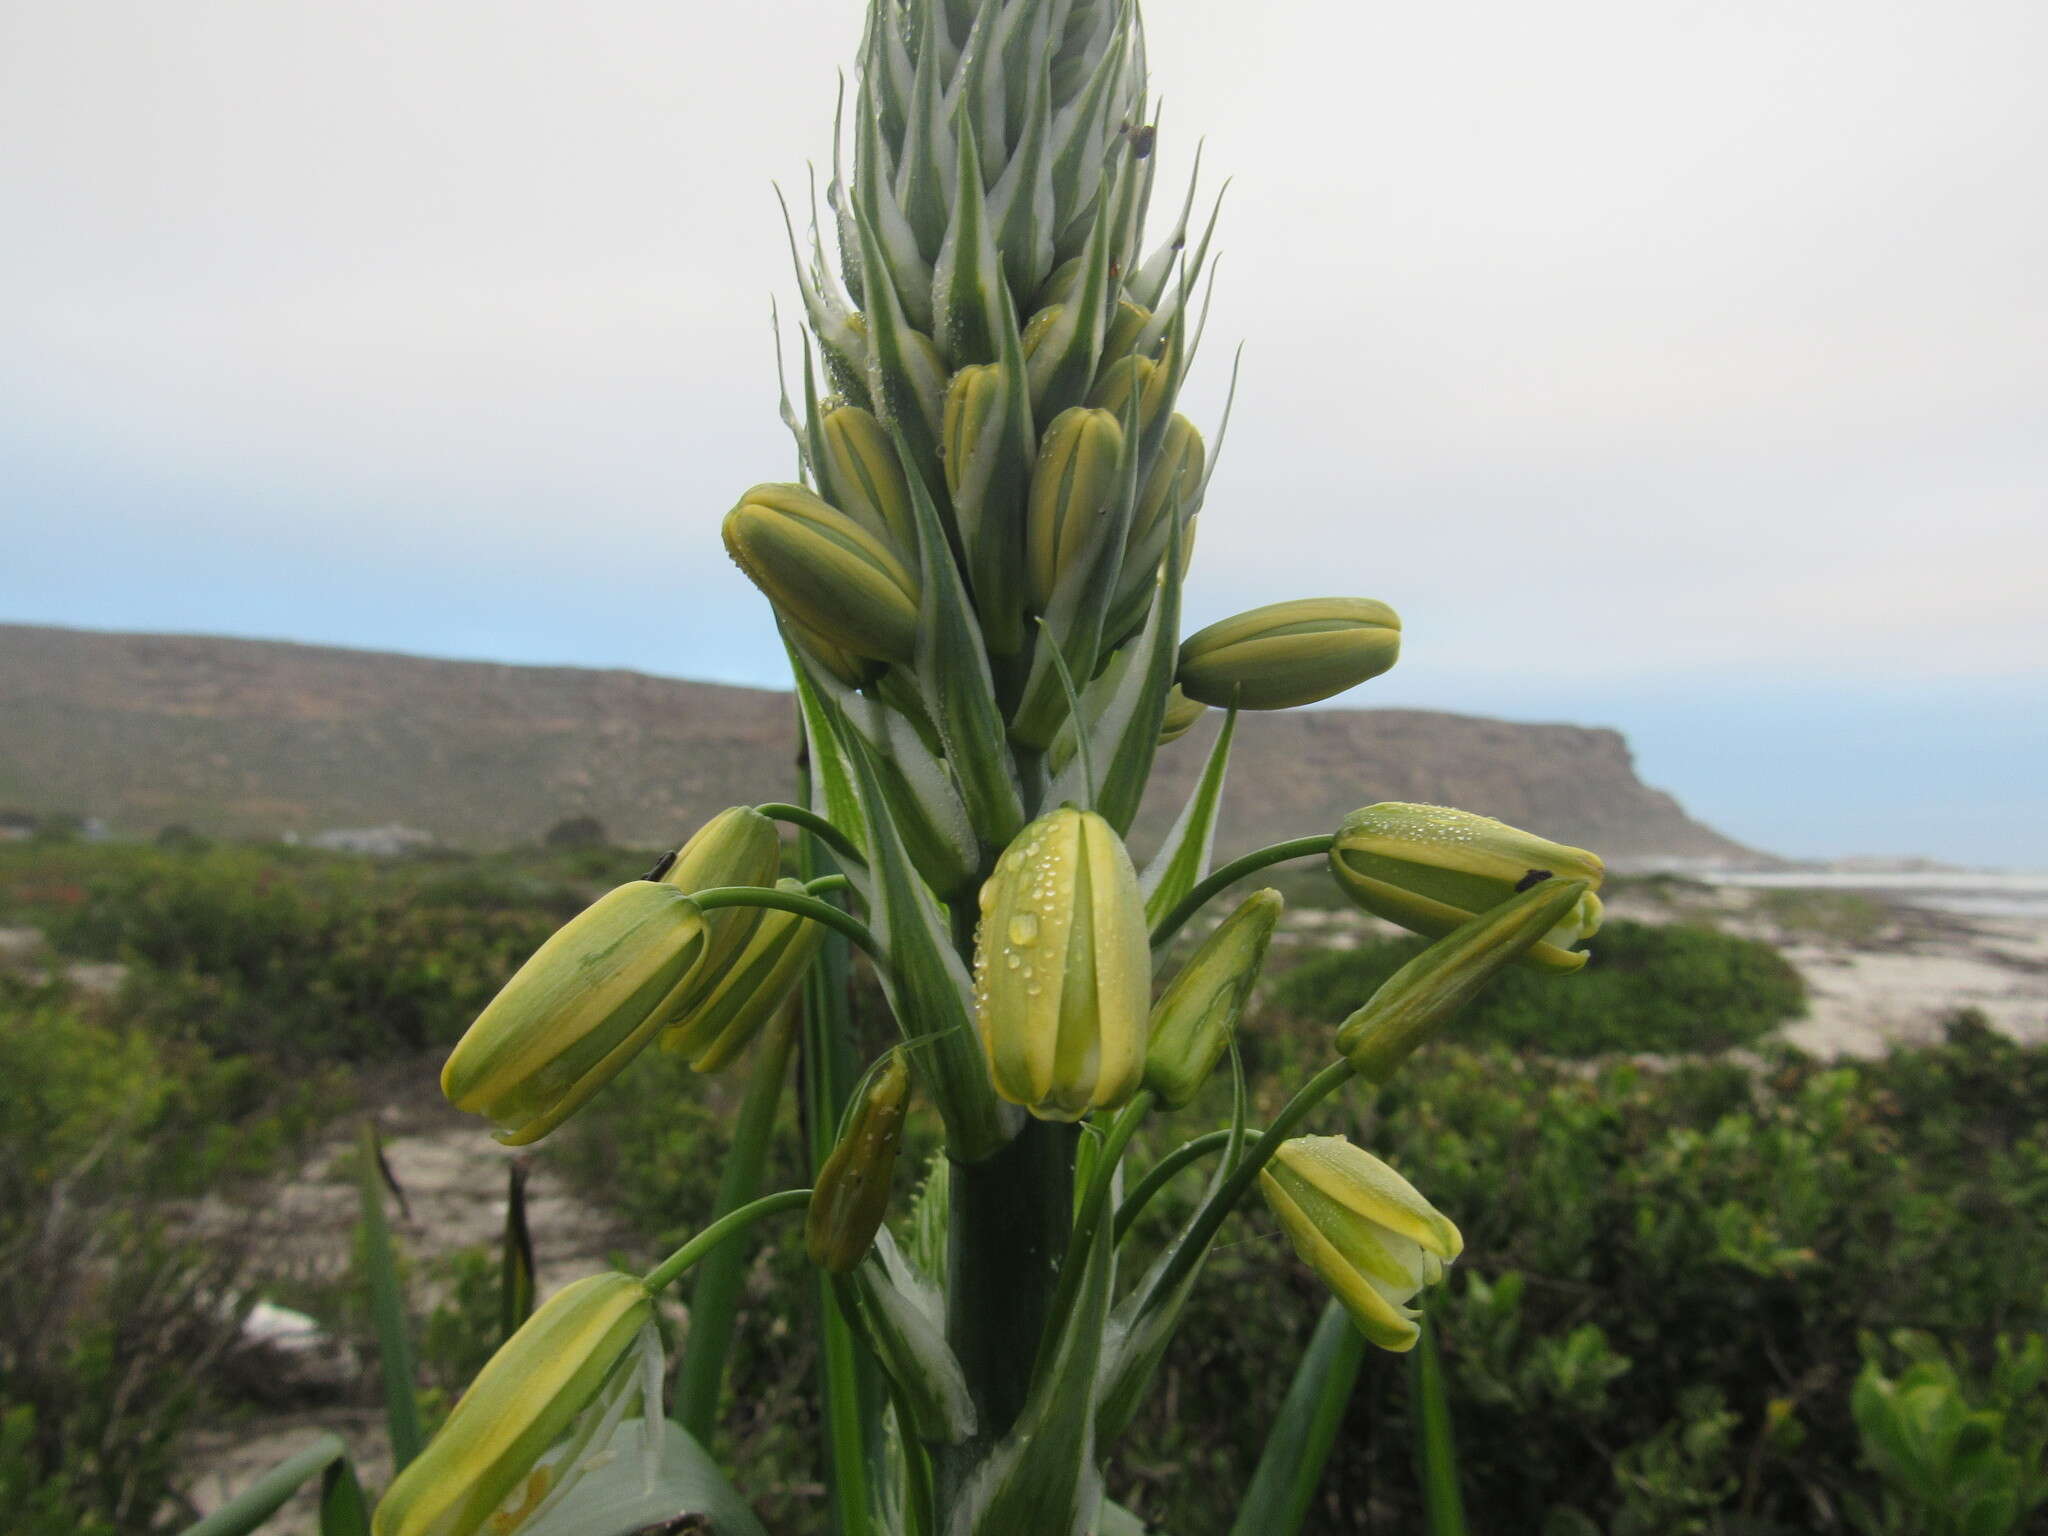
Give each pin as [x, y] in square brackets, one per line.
[1671, 365]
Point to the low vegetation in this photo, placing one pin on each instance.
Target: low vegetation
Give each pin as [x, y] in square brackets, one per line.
[1688, 1299]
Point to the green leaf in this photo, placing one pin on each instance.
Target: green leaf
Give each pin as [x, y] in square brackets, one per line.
[343, 1510]
[515, 1272]
[1291, 1464]
[629, 1490]
[387, 1307]
[715, 1290]
[1436, 1453]
[926, 982]
[268, 1494]
[1183, 859]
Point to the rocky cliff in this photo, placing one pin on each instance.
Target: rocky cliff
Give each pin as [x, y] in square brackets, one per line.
[259, 738]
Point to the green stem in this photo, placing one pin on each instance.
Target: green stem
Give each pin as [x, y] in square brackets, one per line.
[714, 1298]
[704, 1242]
[1202, 1231]
[1157, 1176]
[827, 885]
[1234, 871]
[1090, 1215]
[818, 827]
[789, 901]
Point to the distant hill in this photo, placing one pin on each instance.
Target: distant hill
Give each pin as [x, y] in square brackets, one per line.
[260, 738]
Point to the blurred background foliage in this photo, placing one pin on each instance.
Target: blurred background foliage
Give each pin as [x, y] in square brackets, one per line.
[1746, 1294]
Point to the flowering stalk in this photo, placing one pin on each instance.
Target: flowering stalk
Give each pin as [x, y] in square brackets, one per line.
[978, 575]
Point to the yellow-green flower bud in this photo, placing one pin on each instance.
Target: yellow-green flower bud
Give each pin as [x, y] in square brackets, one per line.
[1194, 1017]
[1062, 967]
[825, 570]
[739, 846]
[1171, 487]
[851, 670]
[1128, 377]
[1181, 714]
[971, 433]
[866, 477]
[1074, 487]
[852, 1191]
[985, 455]
[1363, 1228]
[1290, 653]
[577, 1012]
[1125, 326]
[1429, 868]
[521, 1403]
[1422, 996]
[722, 1018]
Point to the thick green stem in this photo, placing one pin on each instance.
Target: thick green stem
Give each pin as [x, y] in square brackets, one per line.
[1234, 871]
[1202, 1231]
[1089, 1215]
[670, 1268]
[789, 901]
[840, 844]
[1011, 1214]
[714, 1298]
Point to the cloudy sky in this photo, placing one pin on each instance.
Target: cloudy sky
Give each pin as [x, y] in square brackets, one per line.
[1671, 365]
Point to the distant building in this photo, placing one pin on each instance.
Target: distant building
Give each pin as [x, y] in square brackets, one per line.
[378, 842]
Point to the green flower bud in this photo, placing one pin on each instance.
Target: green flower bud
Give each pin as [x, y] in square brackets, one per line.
[985, 460]
[1181, 714]
[867, 480]
[825, 571]
[577, 1012]
[1062, 967]
[1363, 1228]
[1075, 486]
[1170, 491]
[520, 1404]
[1430, 868]
[1290, 653]
[1125, 326]
[1128, 377]
[1420, 998]
[852, 1191]
[739, 846]
[1194, 1017]
[721, 1019]
[850, 670]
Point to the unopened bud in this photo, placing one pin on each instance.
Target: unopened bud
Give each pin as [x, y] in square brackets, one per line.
[1193, 1020]
[867, 480]
[1430, 868]
[825, 571]
[1363, 1228]
[521, 1403]
[1062, 966]
[852, 1192]
[571, 1017]
[1075, 489]
[720, 1019]
[1425, 994]
[1133, 389]
[1287, 654]
[1181, 714]
[738, 846]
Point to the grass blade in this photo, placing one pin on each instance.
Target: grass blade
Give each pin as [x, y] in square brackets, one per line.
[264, 1497]
[515, 1282]
[343, 1510]
[387, 1307]
[1291, 1465]
[1436, 1454]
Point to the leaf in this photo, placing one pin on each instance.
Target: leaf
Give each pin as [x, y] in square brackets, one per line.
[1183, 859]
[387, 1307]
[264, 1497]
[515, 1285]
[1291, 1465]
[1436, 1452]
[630, 1491]
[343, 1510]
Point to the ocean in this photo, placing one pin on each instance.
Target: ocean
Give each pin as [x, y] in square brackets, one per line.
[1971, 893]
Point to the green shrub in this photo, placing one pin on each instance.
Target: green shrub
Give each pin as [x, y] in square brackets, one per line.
[1648, 987]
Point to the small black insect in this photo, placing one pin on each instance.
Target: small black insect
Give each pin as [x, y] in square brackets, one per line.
[662, 865]
[1534, 878]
